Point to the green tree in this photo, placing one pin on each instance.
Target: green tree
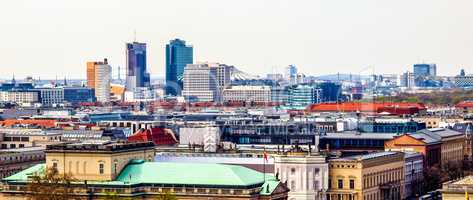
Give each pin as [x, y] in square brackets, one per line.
[50, 186]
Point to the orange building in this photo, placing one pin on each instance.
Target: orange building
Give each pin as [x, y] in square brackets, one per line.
[428, 146]
[91, 74]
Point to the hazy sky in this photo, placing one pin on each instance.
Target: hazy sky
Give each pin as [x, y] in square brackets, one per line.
[56, 37]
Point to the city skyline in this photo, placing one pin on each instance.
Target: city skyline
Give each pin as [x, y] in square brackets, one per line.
[319, 37]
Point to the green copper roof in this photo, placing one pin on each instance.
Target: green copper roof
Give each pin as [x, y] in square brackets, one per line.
[140, 172]
[189, 174]
[23, 175]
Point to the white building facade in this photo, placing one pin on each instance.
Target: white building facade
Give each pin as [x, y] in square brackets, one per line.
[306, 175]
[204, 82]
[103, 73]
[247, 93]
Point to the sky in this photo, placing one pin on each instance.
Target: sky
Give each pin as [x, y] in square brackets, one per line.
[50, 38]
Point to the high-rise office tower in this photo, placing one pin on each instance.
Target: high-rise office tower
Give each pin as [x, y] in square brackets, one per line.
[423, 70]
[178, 55]
[205, 81]
[291, 74]
[99, 77]
[136, 73]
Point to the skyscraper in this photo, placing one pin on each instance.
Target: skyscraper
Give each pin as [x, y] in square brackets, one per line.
[99, 77]
[136, 73]
[205, 81]
[178, 55]
[423, 70]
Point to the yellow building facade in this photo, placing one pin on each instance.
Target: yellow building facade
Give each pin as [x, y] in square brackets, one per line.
[96, 162]
[375, 176]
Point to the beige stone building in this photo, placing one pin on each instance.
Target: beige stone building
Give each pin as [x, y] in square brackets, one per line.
[100, 161]
[374, 176]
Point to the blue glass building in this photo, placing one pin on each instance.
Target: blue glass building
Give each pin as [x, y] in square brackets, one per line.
[304, 95]
[331, 92]
[77, 95]
[422, 70]
[178, 55]
[137, 75]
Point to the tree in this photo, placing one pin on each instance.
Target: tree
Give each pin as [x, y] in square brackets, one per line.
[50, 186]
[431, 179]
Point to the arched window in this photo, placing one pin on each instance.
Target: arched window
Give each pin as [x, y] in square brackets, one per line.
[293, 185]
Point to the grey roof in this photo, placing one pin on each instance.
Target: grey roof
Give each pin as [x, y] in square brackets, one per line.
[428, 139]
[436, 135]
[358, 135]
[369, 156]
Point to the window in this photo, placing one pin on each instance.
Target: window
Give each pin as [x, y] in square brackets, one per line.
[101, 168]
[340, 184]
[55, 165]
[293, 171]
[329, 183]
[316, 171]
[12, 146]
[352, 184]
[21, 145]
[293, 185]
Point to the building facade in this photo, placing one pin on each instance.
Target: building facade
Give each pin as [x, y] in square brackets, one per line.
[125, 170]
[136, 70]
[205, 81]
[303, 95]
[178, 55]
[306, 175]
[51, 96]
[20, 97]
[247, 93]
[374, 176]
[99, 75]
[76, 95]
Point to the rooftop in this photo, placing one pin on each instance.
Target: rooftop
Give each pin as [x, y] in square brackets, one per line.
[370, 155]
[184, 174]
[98, 146]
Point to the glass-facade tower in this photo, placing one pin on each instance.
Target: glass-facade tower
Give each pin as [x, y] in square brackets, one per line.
[178, 55]
[137, 75]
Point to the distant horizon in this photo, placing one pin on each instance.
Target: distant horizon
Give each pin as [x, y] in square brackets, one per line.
[56, 38]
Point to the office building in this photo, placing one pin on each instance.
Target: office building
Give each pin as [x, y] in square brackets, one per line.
[178, 55]
[463, 81]
[23, 97]
[136, 70]
[75, 95]
[291, 74]
[205, 82]
[304, 95]
[407, 80]
[331, 92]
[51, 96]
[424, 70]
[247, 93]
[306, 175]
[99, 76]
[375, 176]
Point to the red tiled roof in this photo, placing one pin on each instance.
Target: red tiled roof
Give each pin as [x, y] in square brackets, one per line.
[45, 123]
[465, 104]
[159, 136]
[377, 107]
